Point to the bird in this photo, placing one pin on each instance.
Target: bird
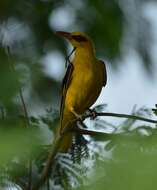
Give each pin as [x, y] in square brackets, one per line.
[82, 84]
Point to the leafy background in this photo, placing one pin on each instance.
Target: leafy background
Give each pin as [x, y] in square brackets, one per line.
[122, 31]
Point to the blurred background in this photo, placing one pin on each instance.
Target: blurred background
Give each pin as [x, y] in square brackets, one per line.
[33, 57]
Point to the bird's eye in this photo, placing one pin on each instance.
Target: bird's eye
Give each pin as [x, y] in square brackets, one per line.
[79, 38]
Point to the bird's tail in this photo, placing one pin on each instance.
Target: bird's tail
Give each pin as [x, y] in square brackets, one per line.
[66, 140]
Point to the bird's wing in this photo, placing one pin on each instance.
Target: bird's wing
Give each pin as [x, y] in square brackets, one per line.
[65, 84]
[104, 72]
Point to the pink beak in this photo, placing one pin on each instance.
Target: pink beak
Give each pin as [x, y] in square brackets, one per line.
[64, 34]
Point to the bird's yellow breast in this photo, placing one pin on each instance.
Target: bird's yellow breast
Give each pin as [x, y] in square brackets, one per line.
[86, 83]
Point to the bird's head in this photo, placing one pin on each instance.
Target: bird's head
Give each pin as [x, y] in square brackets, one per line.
[77, 39]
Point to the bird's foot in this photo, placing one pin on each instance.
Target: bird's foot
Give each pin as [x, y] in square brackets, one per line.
[93, 113]
[78, 116]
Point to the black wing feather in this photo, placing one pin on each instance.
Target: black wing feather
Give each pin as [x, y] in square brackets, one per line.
[65, 84]
[104, 73]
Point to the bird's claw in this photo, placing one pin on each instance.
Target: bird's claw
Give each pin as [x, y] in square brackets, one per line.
[79, 117]
[93, 114]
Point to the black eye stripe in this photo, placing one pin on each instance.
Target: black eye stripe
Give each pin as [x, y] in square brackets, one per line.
[79, 38]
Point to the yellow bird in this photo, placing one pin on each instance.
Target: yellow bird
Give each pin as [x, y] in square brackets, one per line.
[82, 84]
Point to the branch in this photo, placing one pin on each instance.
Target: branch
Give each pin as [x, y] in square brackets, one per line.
[108, 114]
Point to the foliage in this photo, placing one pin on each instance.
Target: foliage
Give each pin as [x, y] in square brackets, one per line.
[130, 164]
[129, 146]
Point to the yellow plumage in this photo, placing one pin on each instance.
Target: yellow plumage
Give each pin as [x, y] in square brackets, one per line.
[82, 84]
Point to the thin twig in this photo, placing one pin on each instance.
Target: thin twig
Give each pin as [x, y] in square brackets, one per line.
[20, 89]
[25, 115]
[108, 114]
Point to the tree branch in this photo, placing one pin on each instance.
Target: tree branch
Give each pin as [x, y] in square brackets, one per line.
[108, 114]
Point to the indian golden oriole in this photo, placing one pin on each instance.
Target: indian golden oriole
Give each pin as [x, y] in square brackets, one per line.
[82, 84]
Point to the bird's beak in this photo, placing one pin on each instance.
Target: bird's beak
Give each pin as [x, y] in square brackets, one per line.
[66, 35]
